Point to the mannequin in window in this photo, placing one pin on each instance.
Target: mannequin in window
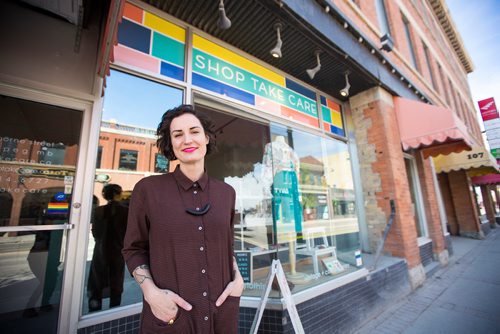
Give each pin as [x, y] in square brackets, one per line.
[287, 210]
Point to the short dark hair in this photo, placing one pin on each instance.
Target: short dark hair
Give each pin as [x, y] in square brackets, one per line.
[164, 142]
[110, 190]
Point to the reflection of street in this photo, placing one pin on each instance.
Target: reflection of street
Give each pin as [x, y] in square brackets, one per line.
[256, 231]
[17, 281]
[13, 270]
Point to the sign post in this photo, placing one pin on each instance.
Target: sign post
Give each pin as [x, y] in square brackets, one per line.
[277, 271]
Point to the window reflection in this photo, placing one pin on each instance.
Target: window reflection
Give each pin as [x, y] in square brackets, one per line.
[294, 201]
[126, 153]
[37, 167]
[324, 241]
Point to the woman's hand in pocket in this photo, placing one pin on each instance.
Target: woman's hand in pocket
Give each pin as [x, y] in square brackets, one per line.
[233, 288]
[165, 304]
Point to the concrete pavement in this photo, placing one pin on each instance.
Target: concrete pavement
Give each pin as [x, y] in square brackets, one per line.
[463, 297]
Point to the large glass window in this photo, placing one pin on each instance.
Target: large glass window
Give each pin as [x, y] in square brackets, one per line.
[132, 109]
[313, 206]
[294, 201]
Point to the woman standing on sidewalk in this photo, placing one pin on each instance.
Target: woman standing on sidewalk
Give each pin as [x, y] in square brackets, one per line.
[179, 240]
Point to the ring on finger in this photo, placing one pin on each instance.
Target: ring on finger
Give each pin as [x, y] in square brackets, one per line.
[171, 321]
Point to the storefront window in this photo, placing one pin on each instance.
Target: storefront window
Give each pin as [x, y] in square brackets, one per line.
[313, 198]
[294, 201]
[127, 152]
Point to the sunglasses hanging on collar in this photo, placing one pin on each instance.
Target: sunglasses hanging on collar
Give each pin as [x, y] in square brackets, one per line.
[201, 212]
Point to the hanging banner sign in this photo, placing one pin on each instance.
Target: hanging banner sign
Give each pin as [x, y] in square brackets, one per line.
[488, 109]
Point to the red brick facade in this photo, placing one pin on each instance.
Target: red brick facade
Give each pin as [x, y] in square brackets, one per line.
[384, 175]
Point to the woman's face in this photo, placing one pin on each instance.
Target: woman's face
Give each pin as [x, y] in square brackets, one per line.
[189, 141]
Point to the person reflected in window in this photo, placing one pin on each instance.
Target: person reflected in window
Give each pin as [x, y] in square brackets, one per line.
[107, 268]
[179, 241]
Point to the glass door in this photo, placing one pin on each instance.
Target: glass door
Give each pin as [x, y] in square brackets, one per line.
[39, 145]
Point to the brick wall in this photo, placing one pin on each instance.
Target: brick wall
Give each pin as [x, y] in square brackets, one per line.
[383, 173]
[464, 204]
[488, 204]
[451, 217]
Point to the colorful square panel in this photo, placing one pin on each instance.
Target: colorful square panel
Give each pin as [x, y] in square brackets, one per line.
[332, 116]
[132, 12]
[134, 36]
[161, 44]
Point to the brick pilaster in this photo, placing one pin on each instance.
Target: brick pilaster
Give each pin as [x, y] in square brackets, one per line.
[464, 205]
[451, 217]
[488, 204]
[383, 174]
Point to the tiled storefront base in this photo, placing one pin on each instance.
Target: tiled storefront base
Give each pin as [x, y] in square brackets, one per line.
[339, 311]
[426, 255]
[124, 325]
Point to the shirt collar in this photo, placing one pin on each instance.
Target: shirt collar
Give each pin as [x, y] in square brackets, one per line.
[186, 183]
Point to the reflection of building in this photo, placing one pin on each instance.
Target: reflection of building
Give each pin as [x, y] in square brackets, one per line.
[313, 188]
[125, 155]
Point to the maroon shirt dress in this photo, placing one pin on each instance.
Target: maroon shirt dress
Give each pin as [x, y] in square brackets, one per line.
[189, 255]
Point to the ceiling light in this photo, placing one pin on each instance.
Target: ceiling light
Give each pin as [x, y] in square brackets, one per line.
[224, 22]
[276, 51]
[345, 91]
[312, 72]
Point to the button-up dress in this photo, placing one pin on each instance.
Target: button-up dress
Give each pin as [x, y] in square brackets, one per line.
[189, 255]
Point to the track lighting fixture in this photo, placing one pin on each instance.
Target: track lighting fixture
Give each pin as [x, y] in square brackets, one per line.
[223, 22]
[312, 72]
[276, 51]
[345, 91]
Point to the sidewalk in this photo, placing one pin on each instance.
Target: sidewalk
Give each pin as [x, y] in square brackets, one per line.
[463, 297]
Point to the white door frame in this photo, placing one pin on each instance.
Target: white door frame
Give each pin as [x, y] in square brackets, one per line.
[70, 304]
[418, 196]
